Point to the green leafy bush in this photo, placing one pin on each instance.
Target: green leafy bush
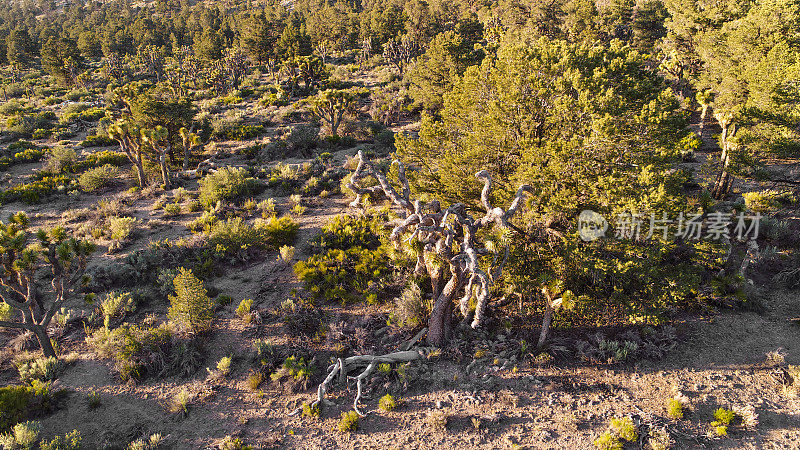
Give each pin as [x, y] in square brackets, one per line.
[343, 275]
[24, 436]
[95, 179]
[61, 159]
[344, 231]
[244, 309]
[228, 183]
[233, 237]
[121, 228]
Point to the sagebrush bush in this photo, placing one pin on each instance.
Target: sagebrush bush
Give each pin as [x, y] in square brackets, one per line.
[254, 380]
[95, 179]
[343, 275]
[146, 351]
[61, 159]
[24, 436]
[41, 368]
[121, 228]
[172, 209]
[675, 409]
[411, 309]
[190, 307]
[70, 441]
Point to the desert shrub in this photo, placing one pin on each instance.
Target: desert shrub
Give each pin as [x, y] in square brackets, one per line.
[296, 370]
[287, 253]
[228, 183]
[18, 403]
[344, 231]
[115, 305]
[312, 412]
[98, 178]
[233, 237]
[607, 441]
[94, 399]
[172, 209]
[244, 132]
[254, 380]
[437, 420]
[267, 207]
[723, 417]
[301, 317]
[411, 309]
[70, 441]
[231, 443]
[11, 108]
[624, 428]
[41, 368]
[104, 157]
[149, 443]
[193, 205]
[675, 409]
[343, 275]
[244, 309]
[146, 351]
[303, 139]
[96, 140]
[180, 402]
[387, 403]
[27, 124]
[36, 191]
[120, 228]
[763, 201]
[190, 307]
[29, 155]
[24, 436]
[61, 159]
[85, 115]
[204, 222]
[349, 422]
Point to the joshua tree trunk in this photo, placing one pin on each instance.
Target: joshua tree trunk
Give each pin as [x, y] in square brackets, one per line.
[547, 320]
[162, 160]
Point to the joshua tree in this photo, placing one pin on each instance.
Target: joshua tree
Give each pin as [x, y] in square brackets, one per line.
[190, 141]
[128, 136]
[449, 235]
[26, 305]
[158, 140]
[401, 52]
[331, 105]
